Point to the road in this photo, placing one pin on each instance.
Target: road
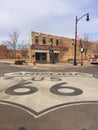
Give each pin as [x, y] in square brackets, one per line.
[7, 68]
[48, 99]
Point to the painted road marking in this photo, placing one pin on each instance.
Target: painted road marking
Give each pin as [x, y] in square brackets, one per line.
[40, 92]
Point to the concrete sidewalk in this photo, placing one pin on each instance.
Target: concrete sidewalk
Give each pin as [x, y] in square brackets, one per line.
[48, 65]
[56, 65]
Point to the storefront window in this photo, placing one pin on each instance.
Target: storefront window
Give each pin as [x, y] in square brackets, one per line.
[41, 57]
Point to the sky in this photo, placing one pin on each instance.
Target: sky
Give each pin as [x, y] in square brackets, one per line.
[56, 17]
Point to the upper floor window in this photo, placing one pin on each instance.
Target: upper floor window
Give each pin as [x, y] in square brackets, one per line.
[57, 42]
[36, 39]
[51, 41]
[44, 40]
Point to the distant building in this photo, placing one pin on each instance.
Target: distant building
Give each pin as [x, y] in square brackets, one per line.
[8, 53]
[3, 52]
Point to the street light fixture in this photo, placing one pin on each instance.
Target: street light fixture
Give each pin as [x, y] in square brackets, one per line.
[81, 51]
[51, 52]
[75, 43]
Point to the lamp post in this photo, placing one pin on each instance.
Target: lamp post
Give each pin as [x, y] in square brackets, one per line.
[51, 52]
[75, 43]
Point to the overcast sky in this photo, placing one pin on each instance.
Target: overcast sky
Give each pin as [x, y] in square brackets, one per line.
[55, 17]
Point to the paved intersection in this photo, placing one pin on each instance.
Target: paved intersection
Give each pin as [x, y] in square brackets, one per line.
[48, 101]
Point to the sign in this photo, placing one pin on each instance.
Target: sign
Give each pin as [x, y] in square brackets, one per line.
[82, 50]
[77, 37]
[46, 47]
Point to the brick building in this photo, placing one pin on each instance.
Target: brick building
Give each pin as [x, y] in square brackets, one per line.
[9, 54]
[3, 52]
[47, 48]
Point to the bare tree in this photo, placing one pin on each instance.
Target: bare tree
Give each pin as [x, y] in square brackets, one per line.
[86, 44]
[24, 49]
[95, 50]
[13, 41]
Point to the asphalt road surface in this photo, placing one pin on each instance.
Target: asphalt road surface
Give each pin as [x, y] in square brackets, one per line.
[38, 99]
[6, 68]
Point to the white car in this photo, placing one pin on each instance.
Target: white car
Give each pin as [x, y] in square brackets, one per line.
[94, 59]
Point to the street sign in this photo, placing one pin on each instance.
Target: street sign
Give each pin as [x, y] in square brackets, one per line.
[82, 50]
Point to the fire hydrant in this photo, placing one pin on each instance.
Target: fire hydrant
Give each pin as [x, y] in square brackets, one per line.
[34, 63]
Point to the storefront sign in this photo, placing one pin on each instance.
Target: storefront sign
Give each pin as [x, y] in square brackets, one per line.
[46, 47]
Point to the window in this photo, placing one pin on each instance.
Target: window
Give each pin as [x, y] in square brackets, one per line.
[44, 40]
[51, 40]
[57, 42]
[36, 39]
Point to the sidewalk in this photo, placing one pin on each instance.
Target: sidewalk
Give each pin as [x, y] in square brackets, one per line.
[54, 66]
[58, 65]
[48, 65]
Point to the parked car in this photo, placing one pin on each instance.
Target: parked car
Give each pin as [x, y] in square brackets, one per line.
[94, 59]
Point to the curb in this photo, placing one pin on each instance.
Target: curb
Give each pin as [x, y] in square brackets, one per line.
[50, 66]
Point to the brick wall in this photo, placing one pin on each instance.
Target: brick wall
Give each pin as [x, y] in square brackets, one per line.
[3, 52]
[9, 54]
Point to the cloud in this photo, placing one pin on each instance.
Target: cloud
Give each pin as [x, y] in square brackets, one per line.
[49, 16]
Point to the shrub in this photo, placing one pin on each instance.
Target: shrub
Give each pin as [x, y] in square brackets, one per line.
[70, 60]
[19, 62]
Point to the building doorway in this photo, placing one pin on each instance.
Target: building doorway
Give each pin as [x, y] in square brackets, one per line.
[54, 57]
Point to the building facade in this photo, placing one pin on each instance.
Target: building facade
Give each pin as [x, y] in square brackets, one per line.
[47, 48]
[8, 53]
[3, 52]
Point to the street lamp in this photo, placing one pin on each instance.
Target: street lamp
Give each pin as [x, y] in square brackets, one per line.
[51, 52]
[75, 43]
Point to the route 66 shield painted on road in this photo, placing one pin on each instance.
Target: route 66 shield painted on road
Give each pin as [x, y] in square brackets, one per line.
[41, 92]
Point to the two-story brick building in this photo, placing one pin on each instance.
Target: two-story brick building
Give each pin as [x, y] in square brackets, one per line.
[47, 48]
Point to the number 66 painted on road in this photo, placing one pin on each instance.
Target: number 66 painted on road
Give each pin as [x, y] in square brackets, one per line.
[57, 89]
